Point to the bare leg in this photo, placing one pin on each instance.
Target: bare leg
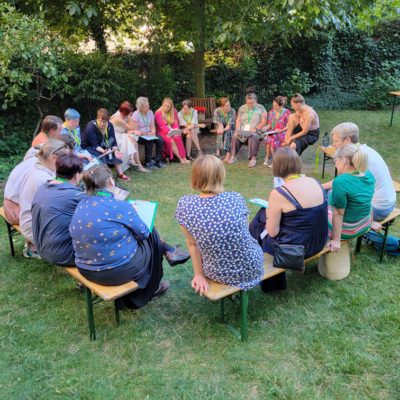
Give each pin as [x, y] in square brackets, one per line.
[135, 156]
[294, 120]
[195, 138]
[175, 151]
[268, 150]
[293, 145]
[118, 169]
[188, 144]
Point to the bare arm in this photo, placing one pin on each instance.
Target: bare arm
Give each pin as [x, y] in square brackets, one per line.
[307, 123]
[337, 222]
[274, 213]
[264, 121]
[327, 185]
[199, 282]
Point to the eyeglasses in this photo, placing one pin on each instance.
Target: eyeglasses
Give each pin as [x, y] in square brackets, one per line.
[64, 147]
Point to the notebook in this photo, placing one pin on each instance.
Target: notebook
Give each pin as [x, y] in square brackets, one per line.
[149, 137]
[259, 202]
[147, 211]
[174, 132]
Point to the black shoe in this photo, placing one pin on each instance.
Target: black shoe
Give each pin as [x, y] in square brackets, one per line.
[150, 166]
[159, 164]
[162, 289]
[177, 256]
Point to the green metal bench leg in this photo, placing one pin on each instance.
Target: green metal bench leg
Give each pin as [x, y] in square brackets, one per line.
[10, 237]
[358, 245]
[116, 313]
[89, 307]
[384, 242]
[244, 301]
[223, 310]
[323, 166]
[394, 103]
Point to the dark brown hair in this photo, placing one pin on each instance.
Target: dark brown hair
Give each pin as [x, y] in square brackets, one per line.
[103, 114]
[125, 108]
[186, 103]
[286, 162]
[280, 100]
[97, 177]
[222, 101]
[298, 98]
[67, 165]
[50, 123]
[68, 140]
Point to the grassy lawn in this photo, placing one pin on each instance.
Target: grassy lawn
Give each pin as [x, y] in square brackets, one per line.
[318, 339]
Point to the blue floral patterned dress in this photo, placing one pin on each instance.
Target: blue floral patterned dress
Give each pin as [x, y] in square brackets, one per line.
[224, 141]
[219, 226]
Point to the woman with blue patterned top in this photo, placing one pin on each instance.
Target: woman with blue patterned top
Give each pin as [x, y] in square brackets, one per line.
[225, 120]
[114, 246]
[71, 128]
[215, 226]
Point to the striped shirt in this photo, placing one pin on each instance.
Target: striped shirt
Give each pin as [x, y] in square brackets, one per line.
[17, 178]
[36, 178]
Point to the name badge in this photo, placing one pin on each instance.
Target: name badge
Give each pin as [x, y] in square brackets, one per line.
[263, 234]
[110, 156]
[246, 127]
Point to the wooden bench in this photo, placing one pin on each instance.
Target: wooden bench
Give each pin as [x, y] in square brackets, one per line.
[218, 291]
[106, 293]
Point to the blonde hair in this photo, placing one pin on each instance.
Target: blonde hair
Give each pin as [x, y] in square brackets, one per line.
[171, 111]
[346, 130]
[97, 177]
[140, 101]
[298, 98]
[208, 174]
[357, 157]
[52, 146]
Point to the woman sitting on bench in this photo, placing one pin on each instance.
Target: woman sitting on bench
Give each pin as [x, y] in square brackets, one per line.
[296, 214]
[215, 226]
[349, 214]
[114, 246]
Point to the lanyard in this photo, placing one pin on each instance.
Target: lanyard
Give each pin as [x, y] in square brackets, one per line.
[61, 180]
[76, 135]
[227, 119]
[191, 117]
[147, 121]
[103, 193]
[169, 119]
[48, 137]
[294, 177]
[206, 192]
[275, 120]
[249, 117]
[106, 139]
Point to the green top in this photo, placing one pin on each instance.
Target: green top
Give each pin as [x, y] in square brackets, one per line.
[354, 193]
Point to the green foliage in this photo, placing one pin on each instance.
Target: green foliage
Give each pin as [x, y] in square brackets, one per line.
[99, 80]
[160, 83]
[297, 82]
[376, 89]
[332, 98]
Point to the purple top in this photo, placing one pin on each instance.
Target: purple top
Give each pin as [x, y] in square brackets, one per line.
[145, 122]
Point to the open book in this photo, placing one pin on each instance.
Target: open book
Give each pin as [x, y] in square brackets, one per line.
[259, 202]
[147, 211]
[95, 161]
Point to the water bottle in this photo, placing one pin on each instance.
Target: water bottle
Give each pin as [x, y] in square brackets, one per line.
[325, 140]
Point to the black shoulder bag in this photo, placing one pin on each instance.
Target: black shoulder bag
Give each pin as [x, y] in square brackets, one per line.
[291, 256]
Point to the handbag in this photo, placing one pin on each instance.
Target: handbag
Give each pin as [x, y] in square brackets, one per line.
[291, 256]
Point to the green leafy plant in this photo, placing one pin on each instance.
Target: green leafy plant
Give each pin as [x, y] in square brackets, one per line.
[298, 82]
[160, 83]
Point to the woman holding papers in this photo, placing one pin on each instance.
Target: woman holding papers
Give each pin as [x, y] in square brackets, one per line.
[114, 246]
[143, 121]
[251, 118]
[297, 213]
[303, 125]
[167, 120]
[127, 137]
[71, 127]
[224, 119]
[98, 139]
[215, 226]
[188, 119]
[278, 118]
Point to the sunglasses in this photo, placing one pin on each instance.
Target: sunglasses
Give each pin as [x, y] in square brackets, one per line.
[64, 147]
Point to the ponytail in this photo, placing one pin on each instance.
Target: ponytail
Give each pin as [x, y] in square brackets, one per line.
[52, 146]
[97, 177]
[357, 157]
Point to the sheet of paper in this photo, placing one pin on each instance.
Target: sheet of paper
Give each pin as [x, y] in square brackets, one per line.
[120, 194]
[95, 161]
[147, 211]
[259, 202]
[246, 127]
[263, 234]
[174, 132]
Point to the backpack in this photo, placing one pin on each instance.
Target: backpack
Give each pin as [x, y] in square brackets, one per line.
[392, 244]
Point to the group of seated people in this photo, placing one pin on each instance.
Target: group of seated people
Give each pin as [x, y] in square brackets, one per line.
[111, 245]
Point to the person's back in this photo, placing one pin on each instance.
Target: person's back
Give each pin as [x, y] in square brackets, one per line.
[52, 210]
[384, 194]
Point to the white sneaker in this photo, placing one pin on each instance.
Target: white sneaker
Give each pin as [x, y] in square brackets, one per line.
[270, 165]
[268, 160]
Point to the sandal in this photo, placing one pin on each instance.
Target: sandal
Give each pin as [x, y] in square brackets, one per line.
[142, 169]
[252, 163]
[225, 160]
[123, 177]
[232, 160]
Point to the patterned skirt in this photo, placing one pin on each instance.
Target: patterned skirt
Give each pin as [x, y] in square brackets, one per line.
[350, 230]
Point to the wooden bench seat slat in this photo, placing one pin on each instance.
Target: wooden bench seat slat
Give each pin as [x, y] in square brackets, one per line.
[2, 214]
[107, 293]
[396, 186]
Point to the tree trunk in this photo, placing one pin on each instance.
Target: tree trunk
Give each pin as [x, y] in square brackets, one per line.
[199, 63]
[40, 118]
[98, 35]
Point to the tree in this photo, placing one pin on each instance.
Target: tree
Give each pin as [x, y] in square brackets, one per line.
[29, 60]
[208, 23]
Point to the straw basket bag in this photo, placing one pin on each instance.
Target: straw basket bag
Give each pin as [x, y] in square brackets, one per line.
[335, 266]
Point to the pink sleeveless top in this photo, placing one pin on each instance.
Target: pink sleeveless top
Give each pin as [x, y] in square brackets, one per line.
[314, 125]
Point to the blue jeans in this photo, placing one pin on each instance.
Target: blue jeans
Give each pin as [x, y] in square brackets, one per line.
[379, 215]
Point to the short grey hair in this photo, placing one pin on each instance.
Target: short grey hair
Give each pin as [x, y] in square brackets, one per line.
[346, 130]
[250, 96]
[140, 101]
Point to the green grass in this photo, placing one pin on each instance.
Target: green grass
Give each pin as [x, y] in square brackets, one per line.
[318, 339]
